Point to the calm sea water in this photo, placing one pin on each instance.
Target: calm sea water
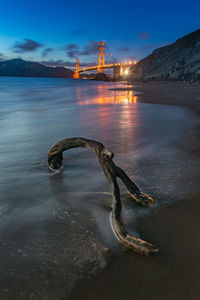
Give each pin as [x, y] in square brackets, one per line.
[54, 228]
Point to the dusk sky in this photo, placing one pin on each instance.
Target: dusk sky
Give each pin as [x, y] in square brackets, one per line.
[59, 31]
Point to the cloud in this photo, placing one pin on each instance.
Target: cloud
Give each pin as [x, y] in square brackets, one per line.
[72, 50]
[3, 57]
[72, 47]
[124, 49]
[78, 32]
[91, 48]
[73, 53]
[57, 63]
[26, 45]
[46, 51]
[144, 36]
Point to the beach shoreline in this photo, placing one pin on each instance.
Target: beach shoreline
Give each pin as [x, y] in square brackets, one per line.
[170, 93]
[174, 272]
[57, 239]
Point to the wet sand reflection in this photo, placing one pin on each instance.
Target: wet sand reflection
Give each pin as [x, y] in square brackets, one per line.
[116, 115]
[114, 97]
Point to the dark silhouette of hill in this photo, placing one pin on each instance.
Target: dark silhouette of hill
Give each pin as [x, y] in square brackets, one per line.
[178, 61]
[21, 68]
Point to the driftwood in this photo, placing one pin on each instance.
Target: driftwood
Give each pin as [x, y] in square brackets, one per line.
[111, 172]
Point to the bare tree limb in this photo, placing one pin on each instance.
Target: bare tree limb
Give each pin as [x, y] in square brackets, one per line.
[111, 172]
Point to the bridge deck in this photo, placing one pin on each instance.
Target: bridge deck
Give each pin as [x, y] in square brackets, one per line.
[106, 66]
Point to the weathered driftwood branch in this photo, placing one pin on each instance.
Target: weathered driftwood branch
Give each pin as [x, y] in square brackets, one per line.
[111, 172]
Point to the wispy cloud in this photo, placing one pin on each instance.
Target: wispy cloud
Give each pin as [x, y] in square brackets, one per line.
[57, 63]
[124, 49]
[46, 51]
[144, 36]
[73, 50]
[26, 45]
[72, 54]
[91, 48]
[3, 57]
[72, 47]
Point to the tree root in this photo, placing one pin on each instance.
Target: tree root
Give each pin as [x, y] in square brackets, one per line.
[111, 172]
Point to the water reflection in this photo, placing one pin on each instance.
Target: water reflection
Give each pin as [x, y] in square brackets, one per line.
[115, 112]
[58, 233]
[103, 97]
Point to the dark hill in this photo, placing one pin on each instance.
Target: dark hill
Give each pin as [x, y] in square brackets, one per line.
[21, 68]
[178, 61]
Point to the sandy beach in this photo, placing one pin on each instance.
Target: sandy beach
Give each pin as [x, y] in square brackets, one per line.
[56, 238]
[174, 273]
[171, 93]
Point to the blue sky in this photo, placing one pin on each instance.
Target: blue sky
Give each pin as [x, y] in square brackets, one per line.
[59, 31]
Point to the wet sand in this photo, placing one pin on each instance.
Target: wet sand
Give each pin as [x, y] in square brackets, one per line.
[174, 273]
[56, 241]
[172, 93]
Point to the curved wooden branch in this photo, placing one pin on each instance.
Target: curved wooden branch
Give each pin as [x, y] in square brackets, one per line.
[111, 172]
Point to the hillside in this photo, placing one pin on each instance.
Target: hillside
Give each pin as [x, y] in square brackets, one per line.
[21, 68]
[178, 61]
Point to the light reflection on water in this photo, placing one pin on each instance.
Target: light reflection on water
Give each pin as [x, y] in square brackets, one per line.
[114, 97]
[54, 227]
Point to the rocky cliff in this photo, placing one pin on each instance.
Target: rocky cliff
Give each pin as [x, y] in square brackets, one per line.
[178, 61]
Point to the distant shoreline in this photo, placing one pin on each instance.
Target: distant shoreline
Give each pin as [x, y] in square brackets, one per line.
[12, 76]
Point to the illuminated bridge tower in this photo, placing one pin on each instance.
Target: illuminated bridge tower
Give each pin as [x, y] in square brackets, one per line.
[101, 56]
[76, 73]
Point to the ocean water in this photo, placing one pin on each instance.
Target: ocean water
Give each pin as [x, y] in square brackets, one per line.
[55, 227]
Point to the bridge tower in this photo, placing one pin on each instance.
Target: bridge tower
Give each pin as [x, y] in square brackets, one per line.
[101, 56]
[76, 73]
[77, 65]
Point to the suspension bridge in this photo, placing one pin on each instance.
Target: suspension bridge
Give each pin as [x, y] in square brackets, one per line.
[119, 69]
